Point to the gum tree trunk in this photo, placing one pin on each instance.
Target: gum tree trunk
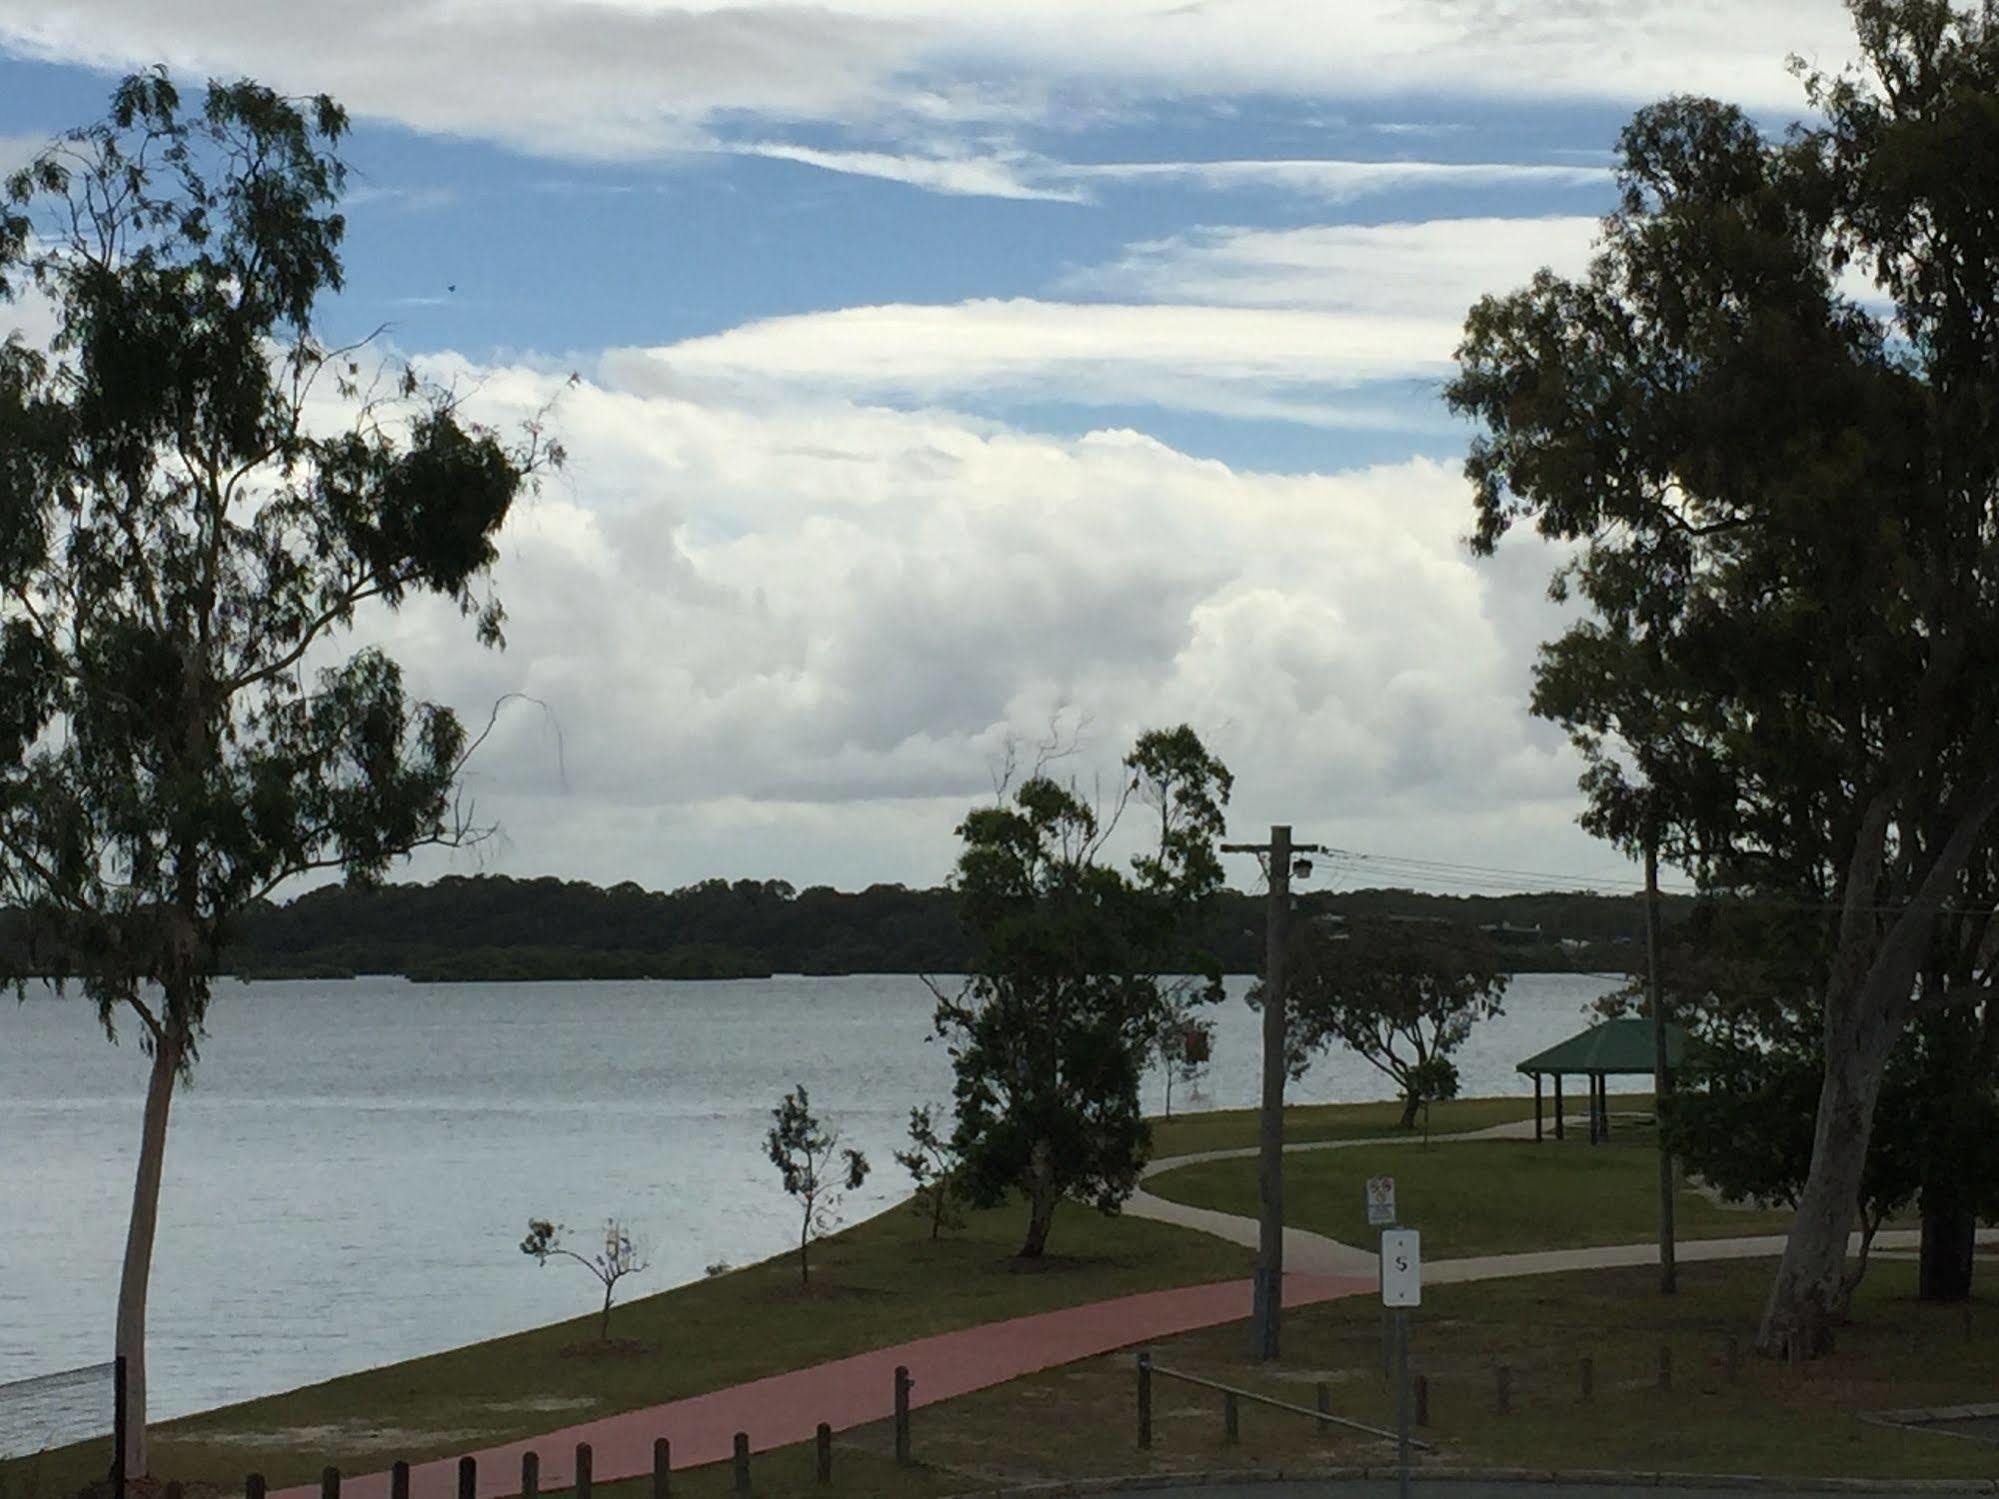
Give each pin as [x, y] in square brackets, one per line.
[1042, 1197]
[1811, 1289]
[136, 1278]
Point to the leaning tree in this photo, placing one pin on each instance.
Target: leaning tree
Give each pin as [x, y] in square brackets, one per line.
[197, 495]
[1765, 423]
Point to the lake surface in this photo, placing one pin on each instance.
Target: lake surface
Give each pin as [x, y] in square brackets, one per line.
[349, 1176]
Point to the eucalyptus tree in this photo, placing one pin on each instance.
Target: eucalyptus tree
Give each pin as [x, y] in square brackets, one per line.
[1051, 1031]
[1402, 996]
[197, 495]
[1765, 423]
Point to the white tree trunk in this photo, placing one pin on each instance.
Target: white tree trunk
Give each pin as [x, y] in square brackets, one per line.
[133, 1283]
[1811, 1287]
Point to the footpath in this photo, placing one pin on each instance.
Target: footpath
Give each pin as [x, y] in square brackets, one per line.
[845, 1393]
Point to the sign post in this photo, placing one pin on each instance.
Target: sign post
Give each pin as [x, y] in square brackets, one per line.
[1381, 1214]
[1401, 1288]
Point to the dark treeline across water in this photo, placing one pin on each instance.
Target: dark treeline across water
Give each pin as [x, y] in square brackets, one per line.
[493, 927]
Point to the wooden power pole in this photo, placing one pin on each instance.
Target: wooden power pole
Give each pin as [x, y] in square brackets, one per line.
[1662, 1073]
[1267, 1294]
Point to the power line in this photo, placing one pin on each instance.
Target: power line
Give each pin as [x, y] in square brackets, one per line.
[1497, 879]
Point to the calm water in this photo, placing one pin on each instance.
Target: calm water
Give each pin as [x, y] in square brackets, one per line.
[350, 1174]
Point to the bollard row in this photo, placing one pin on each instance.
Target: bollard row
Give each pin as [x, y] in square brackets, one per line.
[255, 1487]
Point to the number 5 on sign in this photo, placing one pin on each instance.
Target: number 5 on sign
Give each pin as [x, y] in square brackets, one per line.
[1401, 1267]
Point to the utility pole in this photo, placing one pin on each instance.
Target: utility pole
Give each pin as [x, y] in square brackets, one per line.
[1662, 1074]
[1267, 1294]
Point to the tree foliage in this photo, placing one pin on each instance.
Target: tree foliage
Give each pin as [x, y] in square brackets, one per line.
[1183, 1044]
[620, 1256]
[932, 1164]
[1400, 995]
[1050, 1033]
[815, 1167]
[1779, 494]
[196, 497]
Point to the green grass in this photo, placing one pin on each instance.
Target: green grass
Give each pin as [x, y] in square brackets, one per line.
[1236, 1129]
[880, 1282]
[1079, 1420]
[1482, 1197]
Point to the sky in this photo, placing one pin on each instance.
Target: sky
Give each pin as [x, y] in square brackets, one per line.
[934, 375]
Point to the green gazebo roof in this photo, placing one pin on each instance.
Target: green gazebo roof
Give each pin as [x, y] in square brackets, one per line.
[1614, 1046]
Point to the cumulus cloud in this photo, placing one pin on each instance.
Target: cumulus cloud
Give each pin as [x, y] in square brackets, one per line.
[596, 78]
[791, 639]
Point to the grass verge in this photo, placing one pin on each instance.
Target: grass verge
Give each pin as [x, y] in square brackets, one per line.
[1079, 1421]
[1477, 1197]
[1236, 1129]
[881, 1282]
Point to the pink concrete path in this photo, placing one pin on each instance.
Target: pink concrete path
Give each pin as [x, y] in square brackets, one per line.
[848, 1392]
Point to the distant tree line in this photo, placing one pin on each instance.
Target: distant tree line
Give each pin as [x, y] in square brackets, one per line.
[495, 928]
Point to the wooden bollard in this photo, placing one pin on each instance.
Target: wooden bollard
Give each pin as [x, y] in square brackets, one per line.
[1732, 1358]
[1587, 1376]
[1665, 1367]
[329, 1482]
[468, 1478]
[584, 1476]
[822, 1444]
[1145, 1400]
[530, 1475]
[399, 1480]
[254, 1486]
[742, 1462]
[1422, 1400]
[1324, 1400]
[903, 1384]
[662, 1468]
[1231, 1419]
[1503, 1389]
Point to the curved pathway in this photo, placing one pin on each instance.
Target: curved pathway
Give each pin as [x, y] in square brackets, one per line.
[844, 1393]
[848, 1392]
[1313, 1254]
[1305, 1252]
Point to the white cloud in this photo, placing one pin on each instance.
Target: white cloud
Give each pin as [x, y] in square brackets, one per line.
[604, 78]
[1234, 360]
[1272, 324]
[1430, 269]
[16, 151]
[789, 640]
[966, 176]
[1344, 181]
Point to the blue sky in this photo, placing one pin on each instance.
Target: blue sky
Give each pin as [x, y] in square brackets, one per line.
[947, 372]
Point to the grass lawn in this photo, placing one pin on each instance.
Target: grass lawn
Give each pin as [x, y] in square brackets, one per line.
[1080, 1420]
[1477, 1197]
[882, 1281]
[1236, 1129]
